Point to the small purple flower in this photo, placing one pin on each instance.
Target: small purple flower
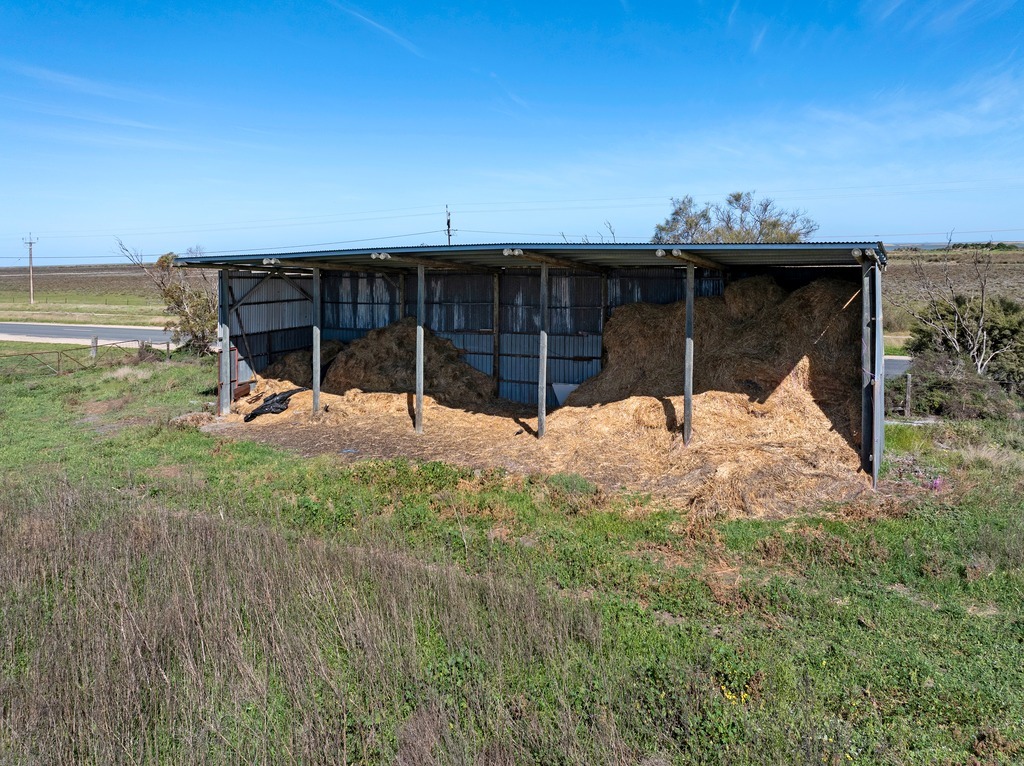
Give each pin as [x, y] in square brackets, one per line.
[936, 484]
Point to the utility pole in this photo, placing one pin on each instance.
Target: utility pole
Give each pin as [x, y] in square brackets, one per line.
[31, 281]
[448, 215]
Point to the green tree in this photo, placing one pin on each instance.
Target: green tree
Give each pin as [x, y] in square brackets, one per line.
[741, 218]
[190, 298]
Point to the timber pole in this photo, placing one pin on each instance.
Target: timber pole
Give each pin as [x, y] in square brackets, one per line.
[317, 322]
[688, 361]
[421, 313]
[542, 367]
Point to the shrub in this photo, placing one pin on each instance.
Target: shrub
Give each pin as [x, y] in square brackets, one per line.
[950, 387]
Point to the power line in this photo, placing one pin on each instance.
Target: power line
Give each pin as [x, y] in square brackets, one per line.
[581, 204]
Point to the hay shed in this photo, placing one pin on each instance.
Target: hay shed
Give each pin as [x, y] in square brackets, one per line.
[531, 320]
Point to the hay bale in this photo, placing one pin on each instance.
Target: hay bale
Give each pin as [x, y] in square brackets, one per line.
[747, 342]
[384, 360]
[297, 367]
[747, 298]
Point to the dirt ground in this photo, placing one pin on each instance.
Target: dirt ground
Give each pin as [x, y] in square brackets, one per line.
[748, 474]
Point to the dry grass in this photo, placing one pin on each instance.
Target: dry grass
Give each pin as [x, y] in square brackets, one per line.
[133, 635]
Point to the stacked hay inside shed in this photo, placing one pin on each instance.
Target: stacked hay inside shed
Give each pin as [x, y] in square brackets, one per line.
[776, 405]
[384, 360]
[297, 366]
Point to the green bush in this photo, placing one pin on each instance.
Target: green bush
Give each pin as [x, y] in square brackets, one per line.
[949, 387]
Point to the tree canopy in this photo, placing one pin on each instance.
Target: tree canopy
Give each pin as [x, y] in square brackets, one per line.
[741, 218]
[191, 299]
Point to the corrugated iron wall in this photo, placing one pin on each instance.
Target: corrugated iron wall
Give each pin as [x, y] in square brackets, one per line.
[354, 304]
[277, 317]
[274, 319]
[460, 307]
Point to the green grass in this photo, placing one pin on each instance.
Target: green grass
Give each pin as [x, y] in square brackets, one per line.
[19, 347]
[389, 609]
[96, 309]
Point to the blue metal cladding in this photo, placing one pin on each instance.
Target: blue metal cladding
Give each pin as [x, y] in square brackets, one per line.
[664, 285]
[355, 303]
[277, 318]
[454, 302]
[575, 324]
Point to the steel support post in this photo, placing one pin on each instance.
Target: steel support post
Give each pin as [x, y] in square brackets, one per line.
[866, 353]
[542, 366]
[878, 370]
[688, 362]
[224, 333]
[421, 315]
[496, 321]
[317, 322]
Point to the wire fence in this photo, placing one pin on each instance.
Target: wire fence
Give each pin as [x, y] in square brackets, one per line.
[63, 361]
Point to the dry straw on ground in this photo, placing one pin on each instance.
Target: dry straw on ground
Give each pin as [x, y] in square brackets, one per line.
[297, 367]
[776, 405]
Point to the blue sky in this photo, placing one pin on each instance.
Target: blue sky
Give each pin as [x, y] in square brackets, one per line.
[326, 123]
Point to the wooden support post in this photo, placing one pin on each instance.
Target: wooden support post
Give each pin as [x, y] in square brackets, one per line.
[496, 322]
[94, 347]
[542, 367]
[421, 315]
[906, 402]
[317, 322]
[224, 398]
[688, 361]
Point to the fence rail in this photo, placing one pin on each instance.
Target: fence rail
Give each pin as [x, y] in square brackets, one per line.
[62, 361]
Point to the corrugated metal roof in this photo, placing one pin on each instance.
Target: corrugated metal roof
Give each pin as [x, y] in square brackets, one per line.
[602, 256]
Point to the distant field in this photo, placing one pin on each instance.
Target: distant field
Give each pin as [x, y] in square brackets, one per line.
[1005, 278]
[902, 279]
[106, 294]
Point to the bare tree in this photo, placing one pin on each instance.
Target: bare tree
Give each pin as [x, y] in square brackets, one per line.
[191, 299]
[956, 315]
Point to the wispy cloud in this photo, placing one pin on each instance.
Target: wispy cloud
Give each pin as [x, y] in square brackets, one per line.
[755, 44]
[94, 117]
[380, 28]
[935, 16]
[100, 138]
[733, 12]
[74, 83]
[508, 93]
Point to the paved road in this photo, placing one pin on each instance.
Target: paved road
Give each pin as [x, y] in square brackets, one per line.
[896, 366]
[80, 333]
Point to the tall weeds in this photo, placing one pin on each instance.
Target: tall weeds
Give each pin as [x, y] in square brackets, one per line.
[134, 635]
